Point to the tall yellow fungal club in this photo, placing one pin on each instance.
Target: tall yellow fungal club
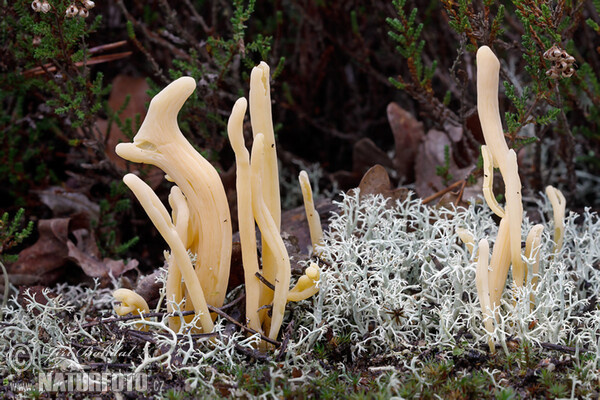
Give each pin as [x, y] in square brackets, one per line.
[507, 248]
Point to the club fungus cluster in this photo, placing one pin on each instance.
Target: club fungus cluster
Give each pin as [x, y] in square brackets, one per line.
[491, 274]
[200, 223]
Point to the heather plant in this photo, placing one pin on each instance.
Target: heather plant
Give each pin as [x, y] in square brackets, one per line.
[548, 78]
[12, 233]
[216, 51]
[46, 55]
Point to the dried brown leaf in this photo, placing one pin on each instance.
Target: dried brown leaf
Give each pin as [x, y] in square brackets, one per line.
[365, 154]
[430, 156]
[46, 259]
[64, 203]
[408, 133]
[377, 181]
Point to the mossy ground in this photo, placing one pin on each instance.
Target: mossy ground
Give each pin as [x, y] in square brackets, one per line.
[460, 373]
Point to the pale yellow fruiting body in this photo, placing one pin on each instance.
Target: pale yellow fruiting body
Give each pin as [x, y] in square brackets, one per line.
[162, 221]
[173, 288]
[130, 302]
[235, 130]
[262, 123]
[467, 238]
[483, 292]
[200, 222]
[532, 252]
[514, 213]
[271, 236]
[312, 216]
[488, 181]
[307, 284]
[160, 142]
[557, 199]
[500, 263]
[488, 68]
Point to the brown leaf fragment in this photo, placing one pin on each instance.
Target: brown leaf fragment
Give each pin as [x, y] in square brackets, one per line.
[365, 154]
[236, 271]
[64, 203]
[408, 133]
[148, 287]
[432, 155]
[87, 255]
[43, 260]
[46, 259]
[377, 181]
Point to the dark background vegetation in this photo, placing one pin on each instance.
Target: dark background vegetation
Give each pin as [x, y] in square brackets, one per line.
[331, 65]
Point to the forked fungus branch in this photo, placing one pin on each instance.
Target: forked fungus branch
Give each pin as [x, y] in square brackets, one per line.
[200, 223]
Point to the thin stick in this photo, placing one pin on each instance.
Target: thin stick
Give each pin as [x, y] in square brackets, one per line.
[236, 323]
[265, 281]
[443, 191]
[564, 349]
[234, 302]
[217, 311]
[130, 317]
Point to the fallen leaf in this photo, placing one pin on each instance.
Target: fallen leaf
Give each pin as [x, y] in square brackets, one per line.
[92, 266]
[46, 260]
[236, 271]
[377, 181]
[64, 203]
[430, 156]
[365, 154]
[43, 261]
[408, 133]
[148, 287]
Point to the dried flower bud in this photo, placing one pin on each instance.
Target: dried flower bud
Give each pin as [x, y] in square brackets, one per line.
[83, 12]
[552, 73]
[89, 4]
[46, 7]
[36, 5]
[72, 11]
[562, 66]
[552, 53]
[568, 72]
